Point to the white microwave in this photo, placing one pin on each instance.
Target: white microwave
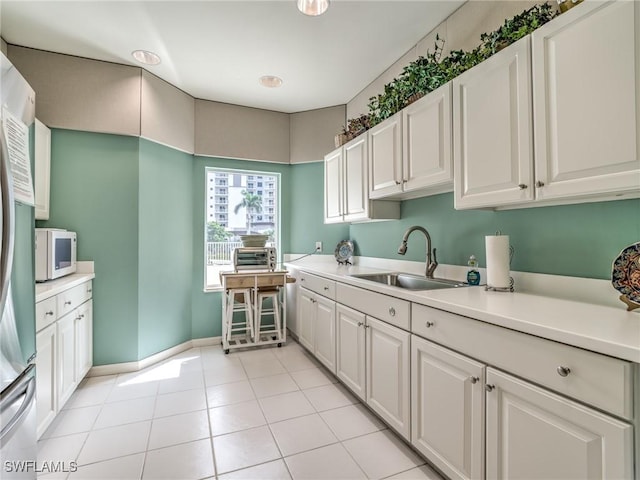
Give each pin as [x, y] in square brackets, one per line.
[55, 253]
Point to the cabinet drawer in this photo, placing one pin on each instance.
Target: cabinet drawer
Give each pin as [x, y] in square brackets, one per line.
[322, 286]
[389, 309]
[73, 298]
[596, 379]
[46, 313]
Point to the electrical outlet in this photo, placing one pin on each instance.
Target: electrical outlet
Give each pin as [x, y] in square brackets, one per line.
[318, 246]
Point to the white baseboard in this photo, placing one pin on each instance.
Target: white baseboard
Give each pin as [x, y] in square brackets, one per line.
[127, 367]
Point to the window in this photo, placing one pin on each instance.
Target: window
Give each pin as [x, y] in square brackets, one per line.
[222, 235]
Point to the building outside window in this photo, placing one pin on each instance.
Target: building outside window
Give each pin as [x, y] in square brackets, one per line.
[240, 211]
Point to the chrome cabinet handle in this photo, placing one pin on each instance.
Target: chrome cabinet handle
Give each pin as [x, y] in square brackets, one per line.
[539, 184]
[489, 388]
[326, 288]
[68, 302]
[522, 186]
[429, 324]
[360, 324]
[474, 380]
[563, 371]
[392, 311]
[89, 290]
[367, 326]
[50, 312]
[398, 183]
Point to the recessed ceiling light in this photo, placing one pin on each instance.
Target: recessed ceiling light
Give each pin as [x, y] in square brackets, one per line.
[148, 58]
[313, 7]
[270, 81]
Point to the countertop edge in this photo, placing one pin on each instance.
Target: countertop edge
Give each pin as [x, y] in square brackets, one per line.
[51, 288]
[618, 345]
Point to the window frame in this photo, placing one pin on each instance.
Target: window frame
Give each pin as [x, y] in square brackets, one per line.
[277, 215]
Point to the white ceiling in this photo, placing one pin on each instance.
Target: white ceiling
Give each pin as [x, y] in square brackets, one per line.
[217, 50]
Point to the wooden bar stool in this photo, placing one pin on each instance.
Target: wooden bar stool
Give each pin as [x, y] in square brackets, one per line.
[274, 330]
[239, 300]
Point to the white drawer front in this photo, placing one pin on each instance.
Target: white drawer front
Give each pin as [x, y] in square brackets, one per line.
[46, 313]
[73, 298]
[322, 286]
[383, 307]
[596, 379]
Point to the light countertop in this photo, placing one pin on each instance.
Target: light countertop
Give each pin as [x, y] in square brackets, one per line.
[50, 288]
[607, 330]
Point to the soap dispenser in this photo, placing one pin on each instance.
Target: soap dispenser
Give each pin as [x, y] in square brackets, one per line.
[473, 275]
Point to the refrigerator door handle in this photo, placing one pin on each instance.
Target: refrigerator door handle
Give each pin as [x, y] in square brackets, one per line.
[8, 222]
[26, 385]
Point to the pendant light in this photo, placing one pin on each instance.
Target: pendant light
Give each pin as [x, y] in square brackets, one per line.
[313, 7]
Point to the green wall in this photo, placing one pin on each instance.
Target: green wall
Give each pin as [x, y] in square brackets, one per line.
[307, 211]
[165, 242]
[94, 191]
[575, 240]
[139, 208]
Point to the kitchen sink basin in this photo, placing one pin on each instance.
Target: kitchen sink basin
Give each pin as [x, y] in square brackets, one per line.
[409, 281]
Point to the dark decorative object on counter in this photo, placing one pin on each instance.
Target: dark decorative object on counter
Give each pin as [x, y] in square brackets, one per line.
[625, 276]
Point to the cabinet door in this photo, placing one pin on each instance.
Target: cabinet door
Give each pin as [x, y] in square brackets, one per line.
[533, 433]
[385, 157]
[292, 302]
[333, 187]
[84, 339]
[42, 169]
[447, 396]
[350, 350]
[306, 318]
[426, 142]
[356, 186]
[46, 393]
[492, 135]
[325, 332]
[66, 362]
[587, 112]
[387, 366]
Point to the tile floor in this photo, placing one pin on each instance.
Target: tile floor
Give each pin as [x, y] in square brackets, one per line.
[269, 413]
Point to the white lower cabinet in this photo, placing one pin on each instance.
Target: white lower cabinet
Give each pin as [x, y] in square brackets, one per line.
[317, 326]
[64, 344]
[388, 378]
[447, 409]
[533, 433]
[350, 349]
[373, 361]
[66, 371]
[84, 339]
[46, 394]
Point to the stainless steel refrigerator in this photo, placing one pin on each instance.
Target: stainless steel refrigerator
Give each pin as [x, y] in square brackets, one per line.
[18, 440]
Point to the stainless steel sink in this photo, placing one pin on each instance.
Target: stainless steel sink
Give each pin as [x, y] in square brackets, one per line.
[409, 281]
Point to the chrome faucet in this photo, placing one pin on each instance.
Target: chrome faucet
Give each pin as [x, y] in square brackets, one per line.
[431, 265]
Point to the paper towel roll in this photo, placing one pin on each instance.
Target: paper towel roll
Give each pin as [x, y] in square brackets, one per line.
[497, 247]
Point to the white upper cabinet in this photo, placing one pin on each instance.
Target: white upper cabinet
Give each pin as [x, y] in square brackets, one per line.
[586, 74]
[410, 152]
[555, 117]
[42, 170]
[346, 186]
[356, 201]
[333, 187]
[492, 141]
[385, 157]
[426, 144]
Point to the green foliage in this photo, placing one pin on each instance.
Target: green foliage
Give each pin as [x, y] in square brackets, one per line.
[217, 233]
[252, 203]
[427, 73]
